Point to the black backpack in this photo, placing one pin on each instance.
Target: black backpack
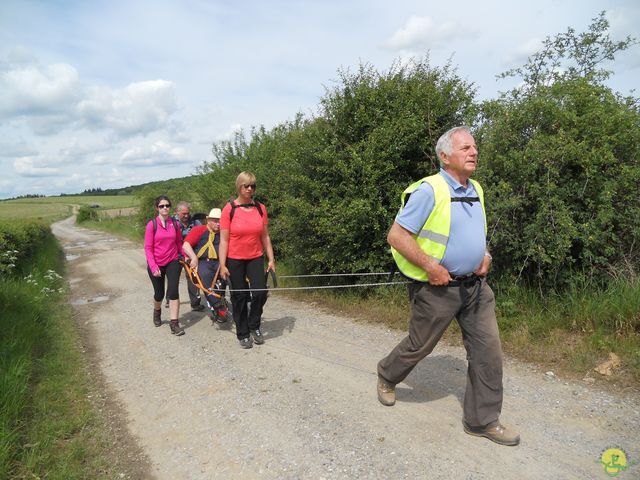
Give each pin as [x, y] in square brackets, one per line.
[196, 217]
[155, 223]
[234, 205]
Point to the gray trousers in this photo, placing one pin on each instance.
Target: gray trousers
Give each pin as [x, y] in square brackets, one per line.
[432, 310]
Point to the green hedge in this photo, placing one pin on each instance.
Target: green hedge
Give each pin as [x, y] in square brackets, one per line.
[86, 213]
[332, 183]
[18, 243]
[29, 287]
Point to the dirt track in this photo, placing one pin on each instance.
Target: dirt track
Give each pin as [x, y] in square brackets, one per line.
[303, 405]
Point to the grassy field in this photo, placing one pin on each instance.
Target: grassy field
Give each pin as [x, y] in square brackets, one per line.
[50, 209]
[125, 226]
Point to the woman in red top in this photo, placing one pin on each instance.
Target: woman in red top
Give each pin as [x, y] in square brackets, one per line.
[162, 245]
[244, 239]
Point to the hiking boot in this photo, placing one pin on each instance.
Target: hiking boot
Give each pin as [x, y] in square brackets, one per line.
[246, 342]
[157, 321]
[176, 329]
[386, 392]
[495, 432]
[258, 338]
[197, 308]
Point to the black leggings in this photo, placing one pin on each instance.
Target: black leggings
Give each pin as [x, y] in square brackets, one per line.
[172, 272]
[246, 318]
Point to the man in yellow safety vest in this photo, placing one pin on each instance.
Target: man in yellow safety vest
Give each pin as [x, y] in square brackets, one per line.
[438, 240]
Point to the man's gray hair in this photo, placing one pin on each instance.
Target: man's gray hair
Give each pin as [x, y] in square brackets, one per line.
[445, 144]
[182, 205]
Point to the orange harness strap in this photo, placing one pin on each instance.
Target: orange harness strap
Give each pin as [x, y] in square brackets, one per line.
[195, 279]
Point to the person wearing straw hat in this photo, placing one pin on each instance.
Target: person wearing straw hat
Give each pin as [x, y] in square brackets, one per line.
[201, 246]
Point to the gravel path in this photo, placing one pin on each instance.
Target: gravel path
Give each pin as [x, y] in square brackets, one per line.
[303, 405]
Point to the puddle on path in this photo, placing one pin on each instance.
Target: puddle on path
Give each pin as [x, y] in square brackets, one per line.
[76, 245]
[71, 256]
[86, 301]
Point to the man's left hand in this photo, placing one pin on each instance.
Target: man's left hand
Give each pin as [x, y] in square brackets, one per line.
[483, 269]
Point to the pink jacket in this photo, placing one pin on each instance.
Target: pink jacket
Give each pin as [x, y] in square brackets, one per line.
[163, 246]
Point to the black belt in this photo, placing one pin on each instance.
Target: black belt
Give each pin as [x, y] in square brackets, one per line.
[467, 280]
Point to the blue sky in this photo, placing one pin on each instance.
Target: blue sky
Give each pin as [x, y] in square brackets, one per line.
[121, 92]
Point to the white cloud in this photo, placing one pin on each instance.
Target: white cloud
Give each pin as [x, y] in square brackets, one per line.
[53, 98]
[17, 149]
[26, 167]
[76, 148]
[623, 20]
[421, 33]
[75, 181]
[102, 160]
[49, 125]
[160, 153]
[32, 90]
[139, 108]
[523, 51]
[231, 133]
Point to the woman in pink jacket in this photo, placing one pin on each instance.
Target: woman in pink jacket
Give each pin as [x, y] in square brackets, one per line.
[162, 245]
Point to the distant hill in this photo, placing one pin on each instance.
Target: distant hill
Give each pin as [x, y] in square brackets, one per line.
[130, 190]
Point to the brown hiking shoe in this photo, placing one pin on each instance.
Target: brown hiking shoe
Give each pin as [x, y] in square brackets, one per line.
[176, 329]
[386, 392]
[496, 433]
[157, 321]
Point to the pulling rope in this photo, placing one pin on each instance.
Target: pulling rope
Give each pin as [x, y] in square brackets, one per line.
[336, 275]
[195, 279]
[319, 287]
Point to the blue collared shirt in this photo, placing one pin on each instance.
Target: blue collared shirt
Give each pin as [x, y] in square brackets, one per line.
[467, 239]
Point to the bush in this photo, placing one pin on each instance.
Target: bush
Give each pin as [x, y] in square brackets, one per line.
[560, 163]
[86, 213]
[18, 242]
[332, 183]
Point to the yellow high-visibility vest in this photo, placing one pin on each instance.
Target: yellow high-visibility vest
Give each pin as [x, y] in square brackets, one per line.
[434, 235]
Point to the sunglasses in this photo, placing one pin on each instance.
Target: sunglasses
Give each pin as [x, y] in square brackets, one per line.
[249, 185]
[165, 205]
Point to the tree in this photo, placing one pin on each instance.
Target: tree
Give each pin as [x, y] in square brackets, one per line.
[570, 56]
[560, 160]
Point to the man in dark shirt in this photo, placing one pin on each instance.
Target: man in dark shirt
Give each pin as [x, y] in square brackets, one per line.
[183, 217]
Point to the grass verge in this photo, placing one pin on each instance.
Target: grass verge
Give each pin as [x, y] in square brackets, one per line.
[49, 424]
[125, 226]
